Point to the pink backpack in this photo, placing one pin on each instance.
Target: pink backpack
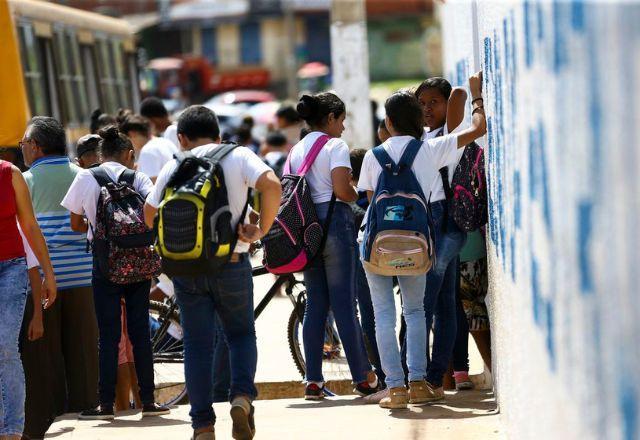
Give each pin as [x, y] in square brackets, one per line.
[296, 236]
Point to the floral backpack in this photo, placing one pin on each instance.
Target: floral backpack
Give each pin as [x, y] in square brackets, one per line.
[122, 242]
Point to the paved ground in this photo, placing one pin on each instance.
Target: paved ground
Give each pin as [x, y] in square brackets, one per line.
[466, 415]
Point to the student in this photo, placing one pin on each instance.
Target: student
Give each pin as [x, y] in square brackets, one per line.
[274, 151]
[151, 152]
[82, 201]
[87, 151]
[229, 293]
[154, 110]
[289, 123]
[404, 122]
[15, 207]
[443, 110]
[330, 279]
[383, 133]
[100, 120]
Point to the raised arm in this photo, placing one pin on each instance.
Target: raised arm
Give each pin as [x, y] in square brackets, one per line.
[455, 108]
[478, 126]
[33, 234]
[270, 190]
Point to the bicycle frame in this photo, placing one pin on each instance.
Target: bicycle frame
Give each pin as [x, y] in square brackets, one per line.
[289, 280]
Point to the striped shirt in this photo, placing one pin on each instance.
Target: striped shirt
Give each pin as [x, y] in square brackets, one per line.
[49, 179]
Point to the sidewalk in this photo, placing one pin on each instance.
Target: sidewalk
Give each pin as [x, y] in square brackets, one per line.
[464, 415]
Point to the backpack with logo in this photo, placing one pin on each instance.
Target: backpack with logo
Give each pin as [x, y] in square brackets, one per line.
[296, 236]
[193, 225]
[122, 242]
[398, 236]
[467, 194]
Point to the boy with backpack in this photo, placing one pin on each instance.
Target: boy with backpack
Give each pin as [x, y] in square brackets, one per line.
[209, 261]
[107, 202]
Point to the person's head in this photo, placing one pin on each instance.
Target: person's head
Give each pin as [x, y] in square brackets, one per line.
[197, 125]
[87, 150]
[154, 110]
[356, 157]
[433, 95]
[383, 133]
[115, 146]
[99, 120]
[276, 141]
[404, 115]
[323, 112]
[243, 135]
[138, 129]
[287, 116]
[44, 136]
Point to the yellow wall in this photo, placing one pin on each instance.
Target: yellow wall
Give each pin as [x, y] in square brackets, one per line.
[228, 39]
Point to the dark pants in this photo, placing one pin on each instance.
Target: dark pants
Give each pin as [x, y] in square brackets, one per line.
[229, 296]
[108, 311]
[221, 366]
[69, 350]
[461, 346]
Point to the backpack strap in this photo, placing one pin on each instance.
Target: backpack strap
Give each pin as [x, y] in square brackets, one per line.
[219, 153]
[409, 155]
[128, 176]
[384, 159]
[308, 161]
[101, 176]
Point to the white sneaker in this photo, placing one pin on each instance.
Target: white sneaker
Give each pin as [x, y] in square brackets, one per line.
[375, 398]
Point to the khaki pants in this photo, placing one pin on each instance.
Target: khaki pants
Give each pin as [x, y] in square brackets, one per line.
[61, 368]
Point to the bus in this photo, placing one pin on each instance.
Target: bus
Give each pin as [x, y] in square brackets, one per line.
[61, 62]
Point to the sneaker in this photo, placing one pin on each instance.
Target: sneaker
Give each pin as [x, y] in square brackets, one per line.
[102, 412]
[463, 382]
[436, 392]
[242, 416]
[376, 397]
[153, 409]
[421, 392]
[207, 435]
[313, 392]
[397, 399]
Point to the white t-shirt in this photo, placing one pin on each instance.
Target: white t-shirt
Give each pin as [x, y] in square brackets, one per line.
[334, 154]
[154, 155]
[171, 134]
[82, 196]
[434, 154]
[241, 168]
[437, 190]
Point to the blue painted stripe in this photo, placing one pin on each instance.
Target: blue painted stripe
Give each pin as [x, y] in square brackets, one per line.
[81, 264]
[61, 232]
[70, 272]
[53, 217]
[85, 257]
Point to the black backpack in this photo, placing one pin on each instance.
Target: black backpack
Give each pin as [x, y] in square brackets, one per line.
[193, 225]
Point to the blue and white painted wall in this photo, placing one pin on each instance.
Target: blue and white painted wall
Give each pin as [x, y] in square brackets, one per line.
[562, 94]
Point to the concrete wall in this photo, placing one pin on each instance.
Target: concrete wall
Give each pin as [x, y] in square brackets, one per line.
[562, 95]
[228, 40]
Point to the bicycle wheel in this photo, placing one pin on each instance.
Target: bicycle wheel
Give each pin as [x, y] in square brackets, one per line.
[168, 354]
[334, 361]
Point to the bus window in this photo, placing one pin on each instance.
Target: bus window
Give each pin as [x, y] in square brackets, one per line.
[32, 66]
[77, 76]
[91, 75]
[132, 70]
[50, 72]
[107, 80]
[122, 82]
[65, 78]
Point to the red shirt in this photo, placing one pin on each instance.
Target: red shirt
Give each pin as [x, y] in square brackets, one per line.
[10, 239]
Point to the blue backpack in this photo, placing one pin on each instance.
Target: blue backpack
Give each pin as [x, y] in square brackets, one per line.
[398, 235]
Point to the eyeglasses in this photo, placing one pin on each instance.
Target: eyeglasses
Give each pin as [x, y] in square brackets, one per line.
[22, 143]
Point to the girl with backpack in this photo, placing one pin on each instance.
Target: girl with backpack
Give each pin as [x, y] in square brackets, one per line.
[98, 199]
[331, 277]
[402, 152]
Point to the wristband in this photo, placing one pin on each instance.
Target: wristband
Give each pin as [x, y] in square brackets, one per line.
[477, 99]
[476, 109]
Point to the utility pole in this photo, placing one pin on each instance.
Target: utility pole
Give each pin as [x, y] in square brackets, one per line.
[291, 58]
[350, 69]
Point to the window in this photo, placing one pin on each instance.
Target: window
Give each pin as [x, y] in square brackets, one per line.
[107, 76]
[91, 75]
[209, 44]
[65, 77]
[78, 78]
[33, 68]
[250, 50]
[121, 78]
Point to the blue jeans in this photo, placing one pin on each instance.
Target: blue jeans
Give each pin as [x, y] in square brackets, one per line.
[412, 291]
[13, 297]
[221, 368]
[331, 283]
[440, 294]
[229, 293]
[106, 296]
[460, 358]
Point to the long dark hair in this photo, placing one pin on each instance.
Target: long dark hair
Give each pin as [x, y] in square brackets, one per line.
[316, 109]
[113, 142]
[405, 113]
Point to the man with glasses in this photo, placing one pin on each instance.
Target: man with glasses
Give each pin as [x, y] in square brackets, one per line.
[62, 373]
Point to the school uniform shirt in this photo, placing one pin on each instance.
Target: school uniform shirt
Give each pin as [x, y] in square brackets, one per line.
[333, 155]
[171, 134]
[84, 192]
[433, 155]
[49, 179]
[154, 155]
[437, 189]
[241, 169]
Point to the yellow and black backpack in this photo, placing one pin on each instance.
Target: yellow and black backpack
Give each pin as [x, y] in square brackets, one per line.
[193, 227]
